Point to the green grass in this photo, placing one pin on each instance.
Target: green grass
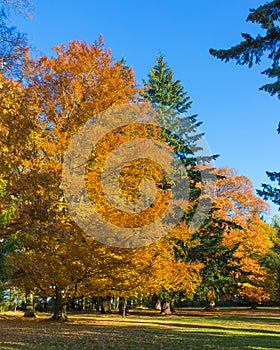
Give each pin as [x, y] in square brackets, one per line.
[91, 331]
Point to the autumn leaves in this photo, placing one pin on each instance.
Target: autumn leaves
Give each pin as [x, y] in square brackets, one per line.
[78, 138]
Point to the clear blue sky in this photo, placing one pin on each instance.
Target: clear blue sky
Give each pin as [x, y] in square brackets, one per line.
[239, 121]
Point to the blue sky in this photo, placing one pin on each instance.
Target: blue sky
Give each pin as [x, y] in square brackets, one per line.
[239, 121]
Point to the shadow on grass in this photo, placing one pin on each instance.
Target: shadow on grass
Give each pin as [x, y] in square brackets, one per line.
[46, 335]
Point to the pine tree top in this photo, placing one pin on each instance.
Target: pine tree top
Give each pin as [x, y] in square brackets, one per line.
[163, 91]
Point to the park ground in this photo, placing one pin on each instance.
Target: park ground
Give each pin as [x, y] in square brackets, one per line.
[144, 329]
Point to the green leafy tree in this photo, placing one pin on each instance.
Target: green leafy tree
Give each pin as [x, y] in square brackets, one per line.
[251, 51]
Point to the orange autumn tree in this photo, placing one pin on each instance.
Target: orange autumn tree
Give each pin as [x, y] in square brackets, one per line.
[66, 90]
[237, 202]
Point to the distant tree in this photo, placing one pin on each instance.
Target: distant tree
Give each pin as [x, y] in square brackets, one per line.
[275, 223]
[251, 51]
[272, 262]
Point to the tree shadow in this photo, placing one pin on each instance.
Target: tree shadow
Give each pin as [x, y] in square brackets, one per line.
[89, 334]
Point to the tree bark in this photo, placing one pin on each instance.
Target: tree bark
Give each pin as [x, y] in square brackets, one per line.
[29, 309]
[124, 307]
[60, 303]
[165, 307]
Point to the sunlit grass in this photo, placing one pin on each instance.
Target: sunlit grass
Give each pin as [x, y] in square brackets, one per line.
[93, 331]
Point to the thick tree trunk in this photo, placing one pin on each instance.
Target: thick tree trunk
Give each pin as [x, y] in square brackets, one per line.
[60, 302]
[106, 306]
[165, 307]
[29, 309]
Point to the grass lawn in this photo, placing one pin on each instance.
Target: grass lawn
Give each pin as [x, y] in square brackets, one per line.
[188, 329]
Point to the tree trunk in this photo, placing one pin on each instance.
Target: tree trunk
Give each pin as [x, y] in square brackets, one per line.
[254, 305]
[157, 304]
[124, 307]
[60, 303]
[12, 304]
[116, 301]
[29, 309]
[165, 307]
[210, 305]
[106, 306]
[45, 303]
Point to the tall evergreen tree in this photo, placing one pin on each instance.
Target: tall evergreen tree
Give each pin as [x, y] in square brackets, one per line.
[250, 51]
[172, 102]
[180, 131]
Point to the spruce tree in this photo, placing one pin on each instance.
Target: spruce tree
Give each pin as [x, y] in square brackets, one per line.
[172, 103]
[251, 51]
[180, 128]
[180, 131]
